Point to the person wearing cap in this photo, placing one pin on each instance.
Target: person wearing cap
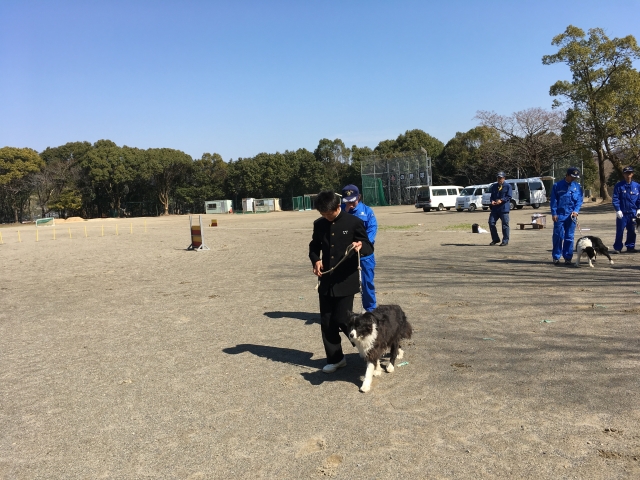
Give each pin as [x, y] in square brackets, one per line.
[626, 201]
[352, 204]
[500, 204]
[338, 276]
[565, 203]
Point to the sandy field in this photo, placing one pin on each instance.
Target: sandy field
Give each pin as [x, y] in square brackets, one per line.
[126, 356]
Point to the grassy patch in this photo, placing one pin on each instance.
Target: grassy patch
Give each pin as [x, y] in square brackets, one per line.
[459, 226]
[396, 227]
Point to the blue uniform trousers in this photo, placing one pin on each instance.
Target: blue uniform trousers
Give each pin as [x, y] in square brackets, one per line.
[627, 221]
[368, 265]
[563, 238]
[504, 218]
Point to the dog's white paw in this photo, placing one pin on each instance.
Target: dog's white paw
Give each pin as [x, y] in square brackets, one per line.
[365, 388]
[400, 354]
[591, 265]
[377, 373]
[610, 262]
[390, 368]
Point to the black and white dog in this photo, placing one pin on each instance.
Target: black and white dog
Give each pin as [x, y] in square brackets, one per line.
[374, 333]
[591, 246]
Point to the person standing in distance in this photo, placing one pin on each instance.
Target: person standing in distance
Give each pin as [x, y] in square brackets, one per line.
[500, 204]
[332, 234]
[565, 203]
[626, 201]
[352, 204]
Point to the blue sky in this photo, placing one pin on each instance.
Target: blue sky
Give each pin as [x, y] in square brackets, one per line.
[243, 77]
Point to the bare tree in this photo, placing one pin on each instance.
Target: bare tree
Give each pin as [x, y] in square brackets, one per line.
[530, 139]
[49, 183]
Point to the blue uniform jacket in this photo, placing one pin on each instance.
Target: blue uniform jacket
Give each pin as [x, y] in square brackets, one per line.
[503, 194]
[626, 197]
[365, 214]
[566, 198]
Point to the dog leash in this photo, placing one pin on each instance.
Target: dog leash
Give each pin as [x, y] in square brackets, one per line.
[349, 249]
[346, 254]
[575, 220]
[360, 282]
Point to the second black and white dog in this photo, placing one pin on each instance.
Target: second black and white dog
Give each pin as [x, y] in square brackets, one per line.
[591, 246]
[374, 333]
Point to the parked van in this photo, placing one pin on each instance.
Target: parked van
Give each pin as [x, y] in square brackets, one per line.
[526, 191]
[437, 197]
[471, 197]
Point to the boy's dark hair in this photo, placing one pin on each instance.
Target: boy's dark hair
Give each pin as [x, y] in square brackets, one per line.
[327, 201]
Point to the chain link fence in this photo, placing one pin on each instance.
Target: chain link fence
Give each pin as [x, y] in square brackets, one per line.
[394, 179]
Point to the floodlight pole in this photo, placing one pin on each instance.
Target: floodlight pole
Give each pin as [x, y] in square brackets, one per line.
[388, 182]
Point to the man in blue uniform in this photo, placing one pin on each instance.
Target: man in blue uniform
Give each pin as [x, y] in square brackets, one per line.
[565, 203]
[626, 201]
[500, 204]
[353, 205]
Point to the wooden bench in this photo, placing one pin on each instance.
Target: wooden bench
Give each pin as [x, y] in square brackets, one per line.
[536, 226]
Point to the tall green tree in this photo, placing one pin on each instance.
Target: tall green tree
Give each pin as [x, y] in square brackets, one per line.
[16, 164]
[204, 180]
[468, 157]
[166, 166]
[111, 169]
[410, 141]
[310, 173]
[62, 172]
[335, 157]
[416, 139]
[243, 179]
[603, 97]
[352, 174]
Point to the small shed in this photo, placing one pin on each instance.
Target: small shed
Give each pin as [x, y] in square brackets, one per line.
[248, 205]
[267, 205]
[218, 206]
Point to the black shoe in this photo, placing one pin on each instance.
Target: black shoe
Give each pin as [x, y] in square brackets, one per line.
[631, 250]
[616, 252]
[556, 262]
[567, 262]
[494, 243]
[503, 244]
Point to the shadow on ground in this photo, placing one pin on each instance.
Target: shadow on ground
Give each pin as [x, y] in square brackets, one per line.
[351, 374]
[466, 244]
[309, 318]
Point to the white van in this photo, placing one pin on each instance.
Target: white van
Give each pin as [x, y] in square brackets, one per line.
[526, 191]
[471, 197]
[437, 197]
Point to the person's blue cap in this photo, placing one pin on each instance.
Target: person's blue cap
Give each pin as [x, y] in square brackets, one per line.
[501, 175]
[628, 169]
[573, 172]
[350, 193]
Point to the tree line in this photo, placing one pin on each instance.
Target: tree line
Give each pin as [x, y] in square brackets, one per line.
[595, 120]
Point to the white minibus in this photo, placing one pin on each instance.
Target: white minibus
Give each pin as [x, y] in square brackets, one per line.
[437, 197]
[526, 191]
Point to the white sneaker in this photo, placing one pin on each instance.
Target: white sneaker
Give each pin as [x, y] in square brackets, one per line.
[332, 367]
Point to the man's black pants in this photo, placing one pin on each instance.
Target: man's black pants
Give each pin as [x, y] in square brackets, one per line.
[333, 318]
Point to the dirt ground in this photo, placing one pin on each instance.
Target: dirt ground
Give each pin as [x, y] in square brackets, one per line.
[126, 356]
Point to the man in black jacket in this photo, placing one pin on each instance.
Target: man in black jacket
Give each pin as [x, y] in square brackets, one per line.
[332, 235]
